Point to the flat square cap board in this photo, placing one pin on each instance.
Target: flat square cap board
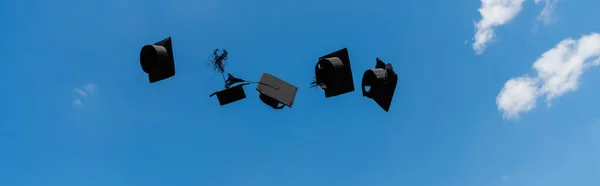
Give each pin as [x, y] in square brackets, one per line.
[277, 89]
[231, 94]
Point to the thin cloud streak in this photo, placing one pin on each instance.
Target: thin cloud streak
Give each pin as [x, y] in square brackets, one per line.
[80, 92]
[545, 15]
[84, 92]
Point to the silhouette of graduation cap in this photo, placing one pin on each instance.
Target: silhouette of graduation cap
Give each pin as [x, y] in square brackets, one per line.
[381, 81]
[231, 94]
[334, 74]
[274, 91]
[157, 60]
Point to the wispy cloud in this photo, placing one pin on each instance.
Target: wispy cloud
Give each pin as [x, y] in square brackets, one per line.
[77, 101]
[90, 87]
[494, 13]
[545, 15]
[558, 71]
[83, 92]
[80, 92]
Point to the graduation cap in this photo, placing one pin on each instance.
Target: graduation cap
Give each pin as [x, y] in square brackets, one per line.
[274, 91]
[333, 73]
[157, 60]
[382, 81]
[231, 94]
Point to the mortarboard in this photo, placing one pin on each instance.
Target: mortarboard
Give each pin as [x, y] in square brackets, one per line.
[334, 74]
[274, 91]
[231, 94]
[382, 81]
[157, 60]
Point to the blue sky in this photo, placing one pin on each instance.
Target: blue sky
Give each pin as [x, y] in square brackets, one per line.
[77, 109]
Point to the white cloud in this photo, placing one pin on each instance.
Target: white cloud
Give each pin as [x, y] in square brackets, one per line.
[518, 95]
[546, 14]
[494, 13]
[558, 71]
[83, 92]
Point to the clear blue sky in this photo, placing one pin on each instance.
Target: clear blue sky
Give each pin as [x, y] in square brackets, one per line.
[76, 109]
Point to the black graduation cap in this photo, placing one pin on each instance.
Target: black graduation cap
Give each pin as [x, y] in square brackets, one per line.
[333, 73]
[231, 94]
[382, 81]
[274, 91]
[157, 60]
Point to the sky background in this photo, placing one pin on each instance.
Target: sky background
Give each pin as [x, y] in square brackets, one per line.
[76, 108]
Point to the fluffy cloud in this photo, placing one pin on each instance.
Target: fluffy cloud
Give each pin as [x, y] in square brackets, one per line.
[558, 71]
[83, 92]
[518, 95]
[495, 13]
